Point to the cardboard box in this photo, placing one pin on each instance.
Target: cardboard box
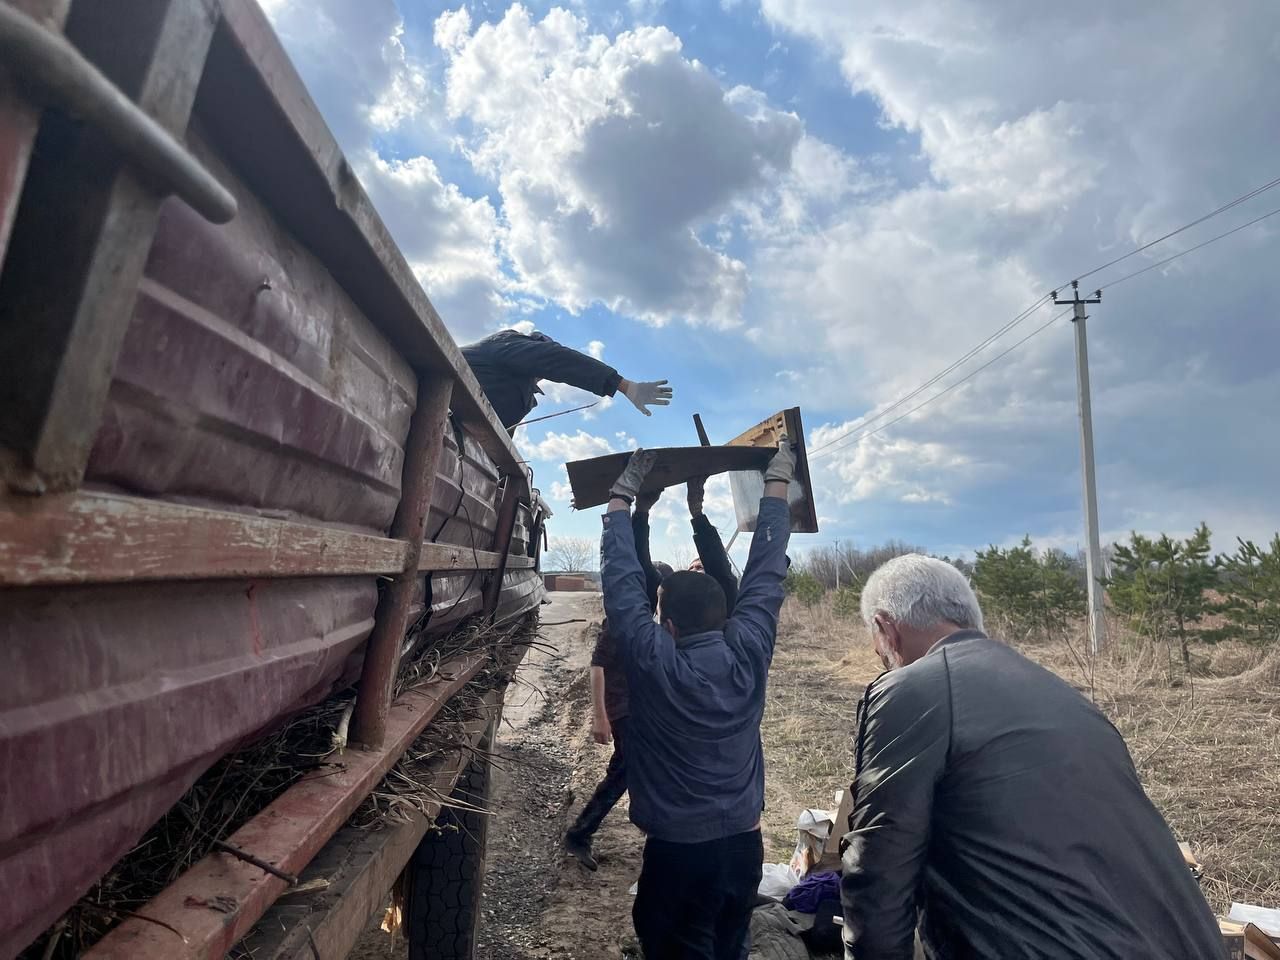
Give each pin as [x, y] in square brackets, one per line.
[1246, 941]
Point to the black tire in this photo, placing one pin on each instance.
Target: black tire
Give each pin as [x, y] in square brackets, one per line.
[446, 874]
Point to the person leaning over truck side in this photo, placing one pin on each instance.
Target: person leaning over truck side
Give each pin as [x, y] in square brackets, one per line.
[995, 805]
[696, 767]
[509, 364]
[609, 695]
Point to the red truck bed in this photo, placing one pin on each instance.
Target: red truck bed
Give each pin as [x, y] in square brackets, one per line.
[212, 492]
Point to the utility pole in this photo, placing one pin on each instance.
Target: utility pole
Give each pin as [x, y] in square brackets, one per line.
[1093, 555]
[837, 558]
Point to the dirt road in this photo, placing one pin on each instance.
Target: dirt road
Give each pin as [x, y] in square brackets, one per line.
[537, 903]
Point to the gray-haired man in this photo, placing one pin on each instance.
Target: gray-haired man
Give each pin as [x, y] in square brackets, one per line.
[994, 805]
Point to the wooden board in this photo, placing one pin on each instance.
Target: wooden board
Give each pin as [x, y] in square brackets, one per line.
[747, 492]
[591, 479]
[110, 538]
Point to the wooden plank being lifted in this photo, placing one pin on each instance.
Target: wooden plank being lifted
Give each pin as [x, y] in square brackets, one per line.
[591, 479]
[746, 493]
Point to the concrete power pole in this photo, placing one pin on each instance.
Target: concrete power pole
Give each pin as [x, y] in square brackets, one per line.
[1093, 555]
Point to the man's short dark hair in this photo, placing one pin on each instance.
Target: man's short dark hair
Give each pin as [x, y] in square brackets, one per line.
[694, 602]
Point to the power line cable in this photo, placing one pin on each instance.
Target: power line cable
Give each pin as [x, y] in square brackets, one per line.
[868, 420]
[862, 435]
[1183, 253]
[1243, 198]
[1025, 314]
[942, 393]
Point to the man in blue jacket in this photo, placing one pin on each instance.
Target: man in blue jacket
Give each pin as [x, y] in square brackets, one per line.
[697, 682]
[610, 697]
[509, 365]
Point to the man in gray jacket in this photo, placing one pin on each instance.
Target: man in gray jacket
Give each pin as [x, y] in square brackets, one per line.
[994, 805]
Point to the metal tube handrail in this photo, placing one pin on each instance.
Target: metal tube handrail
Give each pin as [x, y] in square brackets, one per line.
[45, 61]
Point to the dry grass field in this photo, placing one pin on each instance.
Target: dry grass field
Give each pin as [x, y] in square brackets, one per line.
[1208, 748]
[1208, 751]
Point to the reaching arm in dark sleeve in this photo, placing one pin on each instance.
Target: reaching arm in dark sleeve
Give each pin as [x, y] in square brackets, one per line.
[652, 579]
[715, 560]
[540, 357]
[903, 737]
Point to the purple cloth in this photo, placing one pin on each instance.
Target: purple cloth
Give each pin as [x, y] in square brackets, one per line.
[805, 896]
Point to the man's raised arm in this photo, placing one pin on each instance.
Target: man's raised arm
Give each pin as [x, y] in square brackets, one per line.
[626, 601]
[711, 551]
[760, 595]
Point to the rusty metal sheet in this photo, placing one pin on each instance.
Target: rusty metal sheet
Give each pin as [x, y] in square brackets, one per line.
[288, 833]
[463, 506]
[117, 697]
[253, 379]
[591, 479]
[258, 111]
[248, 377]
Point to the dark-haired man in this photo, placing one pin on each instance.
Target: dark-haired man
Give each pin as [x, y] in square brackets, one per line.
[695, 768]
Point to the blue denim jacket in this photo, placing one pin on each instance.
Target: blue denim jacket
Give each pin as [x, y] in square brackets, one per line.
[695, 768]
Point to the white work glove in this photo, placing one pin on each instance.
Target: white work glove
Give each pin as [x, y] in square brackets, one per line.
[783, 465]
[628, 485]
[651, 392]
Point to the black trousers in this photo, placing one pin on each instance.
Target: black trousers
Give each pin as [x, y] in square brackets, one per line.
[610, 789]
[695, 899]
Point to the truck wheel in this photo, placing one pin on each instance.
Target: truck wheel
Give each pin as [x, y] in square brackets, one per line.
[446, 874]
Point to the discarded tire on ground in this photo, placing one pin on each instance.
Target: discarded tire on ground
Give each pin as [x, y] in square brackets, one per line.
[446, 874]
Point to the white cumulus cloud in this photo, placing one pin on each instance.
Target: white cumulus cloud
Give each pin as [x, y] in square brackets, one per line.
[564, 447]
[612, 157]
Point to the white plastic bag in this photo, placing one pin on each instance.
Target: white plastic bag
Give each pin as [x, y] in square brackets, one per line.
[777, 880]
[812, 829]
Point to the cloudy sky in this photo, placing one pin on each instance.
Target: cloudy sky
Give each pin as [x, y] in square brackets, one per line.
[824, 203]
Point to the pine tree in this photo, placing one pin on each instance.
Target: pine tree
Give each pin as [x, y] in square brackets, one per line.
[1250, 581]
[1009, 581]
[1062, 594]
[1161, 584]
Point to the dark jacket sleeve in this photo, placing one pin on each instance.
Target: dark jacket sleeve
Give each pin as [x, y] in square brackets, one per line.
[641, 642]
[755, 617]
[904, 733]
[538, 356]
[652, 579]
[715, 560]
